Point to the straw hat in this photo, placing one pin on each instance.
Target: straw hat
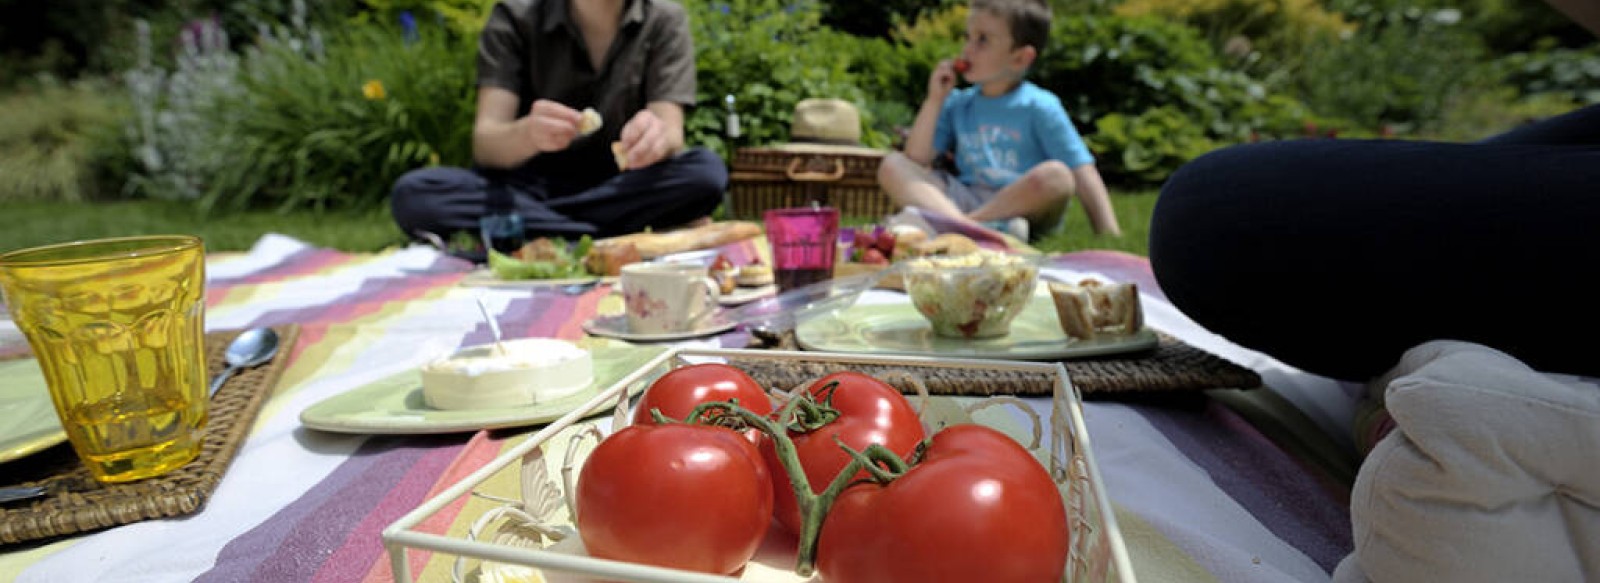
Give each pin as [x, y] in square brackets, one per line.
[826, 121]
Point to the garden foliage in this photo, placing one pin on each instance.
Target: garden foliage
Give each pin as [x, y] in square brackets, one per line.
[285, 104]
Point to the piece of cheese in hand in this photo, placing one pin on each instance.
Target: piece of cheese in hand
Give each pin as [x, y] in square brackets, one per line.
[620, 154]
[528, 371]
[591, 122]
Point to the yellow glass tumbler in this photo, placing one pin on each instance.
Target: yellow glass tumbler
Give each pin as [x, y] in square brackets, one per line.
[117, 326]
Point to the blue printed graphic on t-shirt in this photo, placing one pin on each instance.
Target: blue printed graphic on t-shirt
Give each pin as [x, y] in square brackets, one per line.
[998, 139]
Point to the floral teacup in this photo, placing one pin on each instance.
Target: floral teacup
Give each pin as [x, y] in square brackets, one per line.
[664, 298]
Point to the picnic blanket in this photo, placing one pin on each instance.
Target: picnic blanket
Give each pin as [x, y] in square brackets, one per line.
[1225, 485]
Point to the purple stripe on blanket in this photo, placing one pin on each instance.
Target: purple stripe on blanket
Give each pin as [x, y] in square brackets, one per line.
[304, 261]
[1115, 265]
[294, 543]
[370, 296]
[1283, 495]
[538, 316]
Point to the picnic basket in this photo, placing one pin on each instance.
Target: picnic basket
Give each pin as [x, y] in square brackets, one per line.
[795, 175]
[1097, 552]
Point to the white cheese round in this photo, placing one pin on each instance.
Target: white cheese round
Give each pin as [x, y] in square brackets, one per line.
[526, 372]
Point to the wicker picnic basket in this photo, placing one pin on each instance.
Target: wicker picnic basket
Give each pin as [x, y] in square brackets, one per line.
[794, 175]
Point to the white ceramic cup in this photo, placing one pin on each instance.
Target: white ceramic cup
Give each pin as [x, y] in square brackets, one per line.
[666, 298]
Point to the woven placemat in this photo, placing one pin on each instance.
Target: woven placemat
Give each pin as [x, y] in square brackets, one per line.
[78, 503]
[1171, 366]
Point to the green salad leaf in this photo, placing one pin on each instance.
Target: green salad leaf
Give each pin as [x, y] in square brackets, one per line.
[567, 264]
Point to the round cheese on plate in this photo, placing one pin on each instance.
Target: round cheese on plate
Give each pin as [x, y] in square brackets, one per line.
[514, 373]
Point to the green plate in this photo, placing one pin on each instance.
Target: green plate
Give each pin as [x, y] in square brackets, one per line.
[898, 329]
[395, 405]
[29, 418]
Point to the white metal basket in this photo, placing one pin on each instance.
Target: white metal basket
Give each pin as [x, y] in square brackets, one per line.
[1097, 552]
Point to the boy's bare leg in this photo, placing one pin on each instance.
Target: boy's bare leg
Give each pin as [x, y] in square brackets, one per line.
[1044, 190]
[911, 184]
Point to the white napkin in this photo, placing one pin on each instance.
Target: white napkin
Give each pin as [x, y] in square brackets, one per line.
[1491, 474]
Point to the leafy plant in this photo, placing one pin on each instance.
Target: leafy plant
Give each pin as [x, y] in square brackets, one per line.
[1148, 147]
[464, 17]
[769, 55]
[335, 130]
[54, 142]
[1399, 68]
[1570, 73]
[1258, 35]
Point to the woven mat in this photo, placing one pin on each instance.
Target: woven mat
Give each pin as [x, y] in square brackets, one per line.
[80, 504]
[1171, 366]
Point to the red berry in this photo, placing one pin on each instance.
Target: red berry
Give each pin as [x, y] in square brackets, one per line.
[962, 65]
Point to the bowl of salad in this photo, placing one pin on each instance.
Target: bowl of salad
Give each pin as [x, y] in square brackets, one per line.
[975, 295]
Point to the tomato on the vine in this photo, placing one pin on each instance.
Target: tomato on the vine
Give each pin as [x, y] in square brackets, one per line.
[870, 411]
[977, 507]
[680, 390]
[678, 495]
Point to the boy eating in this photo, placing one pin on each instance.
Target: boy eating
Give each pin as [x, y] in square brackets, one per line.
[1020, 160]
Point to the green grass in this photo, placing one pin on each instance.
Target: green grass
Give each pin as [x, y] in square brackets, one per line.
[28, 224]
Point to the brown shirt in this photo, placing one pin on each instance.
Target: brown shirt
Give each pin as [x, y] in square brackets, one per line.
[534, 49]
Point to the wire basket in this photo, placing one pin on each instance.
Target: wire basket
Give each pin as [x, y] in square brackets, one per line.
[536, 531]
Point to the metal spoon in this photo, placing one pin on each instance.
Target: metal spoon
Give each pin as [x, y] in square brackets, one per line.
[254, 347]
[12, 494]
[578, 289]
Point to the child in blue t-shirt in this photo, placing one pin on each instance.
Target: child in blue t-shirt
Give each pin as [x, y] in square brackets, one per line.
[1017, 152]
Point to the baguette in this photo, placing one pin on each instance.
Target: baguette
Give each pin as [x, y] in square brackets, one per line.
[653, 245]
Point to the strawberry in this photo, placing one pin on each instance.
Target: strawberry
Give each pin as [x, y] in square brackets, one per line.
[962, 66]
[874, 257]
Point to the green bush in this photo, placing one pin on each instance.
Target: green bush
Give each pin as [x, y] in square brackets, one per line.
[1132, 75]
[1399, 68]
[1570, 73]
[336, 130]
[769, 55]
[463, 17]
[55, 143]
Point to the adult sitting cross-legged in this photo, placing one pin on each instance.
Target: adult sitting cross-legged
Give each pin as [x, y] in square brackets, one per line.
[541, 65]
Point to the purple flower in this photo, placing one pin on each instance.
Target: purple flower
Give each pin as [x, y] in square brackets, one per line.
[408, 26]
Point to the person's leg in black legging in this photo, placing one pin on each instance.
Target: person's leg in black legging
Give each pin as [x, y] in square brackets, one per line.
[670, 193]
[445, 200]
[1336, 256]
[673, 192]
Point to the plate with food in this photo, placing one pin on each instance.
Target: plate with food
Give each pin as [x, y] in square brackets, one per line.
[898, 328]
[31, 424]
[741, 285]
[553, 261]
[482, 387]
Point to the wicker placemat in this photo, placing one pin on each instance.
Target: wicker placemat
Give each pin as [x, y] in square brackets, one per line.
[80, 504]
[1171, 366]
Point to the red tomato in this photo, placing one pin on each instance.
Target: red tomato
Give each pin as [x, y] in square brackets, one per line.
[978, 507]
[684, 496]
[870, 411]
[680, 390]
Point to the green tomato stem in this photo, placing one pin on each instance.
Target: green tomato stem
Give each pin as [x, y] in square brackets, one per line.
[813, 506]
[874, 458]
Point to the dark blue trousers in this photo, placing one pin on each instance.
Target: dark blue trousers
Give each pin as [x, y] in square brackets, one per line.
[1335, 256]
[443, 200]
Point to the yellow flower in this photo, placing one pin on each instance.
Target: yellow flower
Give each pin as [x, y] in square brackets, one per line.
[433, 159]
[373, 90]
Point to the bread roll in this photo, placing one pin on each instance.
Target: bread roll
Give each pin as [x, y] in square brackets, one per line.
[1074, 309]
[1089, 307]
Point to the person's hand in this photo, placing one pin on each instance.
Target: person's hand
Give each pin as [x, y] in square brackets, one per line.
[644, 138]
[551, 125]
[942, 80]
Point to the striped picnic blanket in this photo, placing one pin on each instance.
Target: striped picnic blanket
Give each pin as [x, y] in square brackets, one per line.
[1228, 486]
